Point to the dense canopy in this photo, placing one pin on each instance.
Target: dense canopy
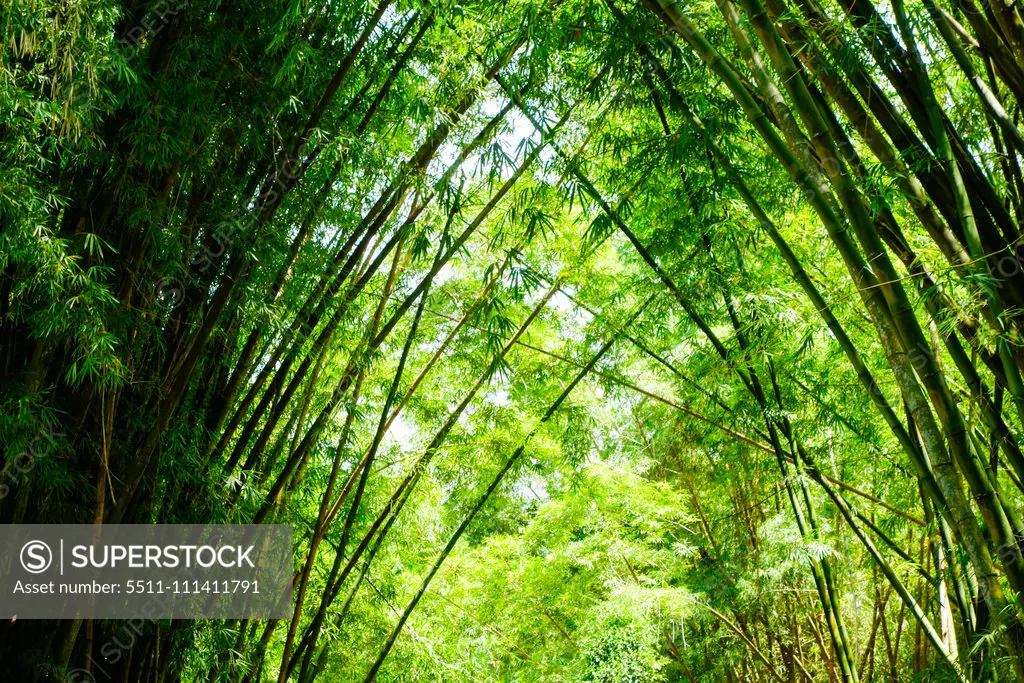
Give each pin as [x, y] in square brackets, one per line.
[577, 340]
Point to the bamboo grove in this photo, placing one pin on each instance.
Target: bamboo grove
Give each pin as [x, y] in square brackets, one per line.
[578, 340]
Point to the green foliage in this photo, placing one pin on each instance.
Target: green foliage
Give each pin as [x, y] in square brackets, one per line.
[622, 652]
[217, 221]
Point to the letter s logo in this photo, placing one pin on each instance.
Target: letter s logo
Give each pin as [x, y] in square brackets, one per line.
[36, 557]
